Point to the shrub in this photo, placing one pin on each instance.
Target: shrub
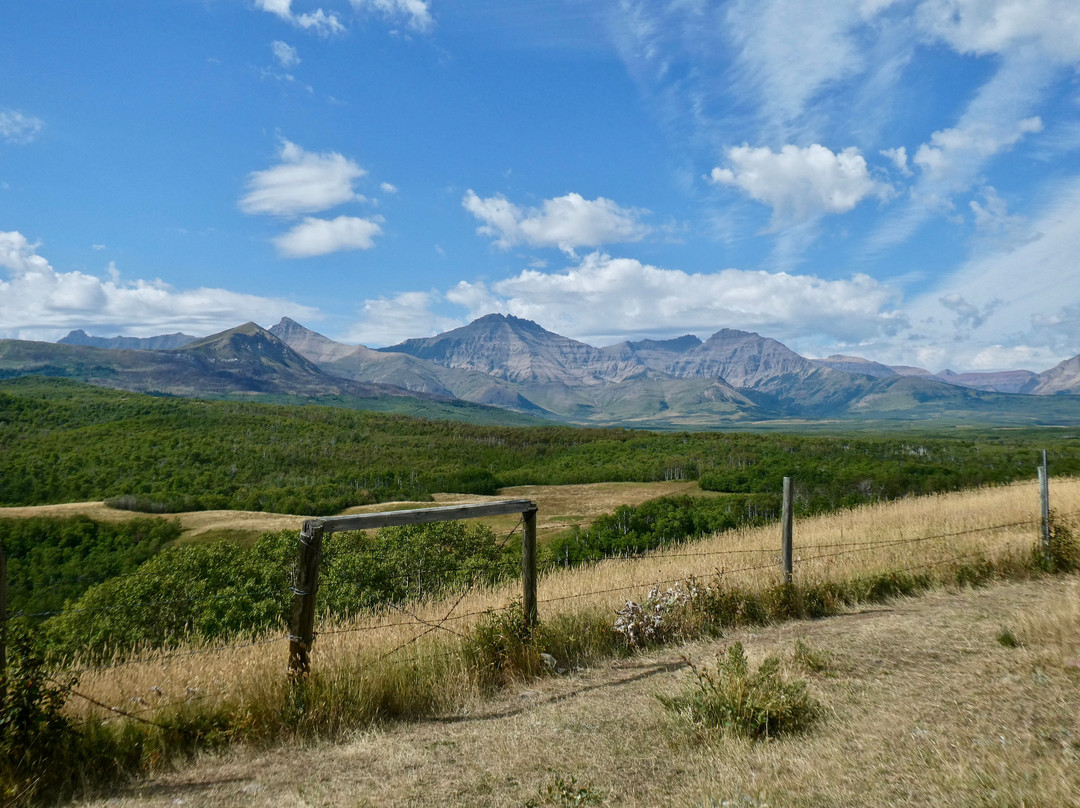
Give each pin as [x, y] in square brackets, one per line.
[37, 742]
[1062, 554]
[753, 704]
[502, 647]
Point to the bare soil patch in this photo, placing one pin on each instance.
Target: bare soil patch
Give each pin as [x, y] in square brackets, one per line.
[926, 706]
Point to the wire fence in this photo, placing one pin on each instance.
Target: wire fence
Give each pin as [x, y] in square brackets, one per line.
[418, 621]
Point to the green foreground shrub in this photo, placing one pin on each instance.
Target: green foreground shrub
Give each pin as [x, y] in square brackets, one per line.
[757, 704]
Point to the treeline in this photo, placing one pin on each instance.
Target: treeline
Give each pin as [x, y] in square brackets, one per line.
[634, 529]
[61, 441]
[54, 560]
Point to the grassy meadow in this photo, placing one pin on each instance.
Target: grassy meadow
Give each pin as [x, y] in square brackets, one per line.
[424, 659]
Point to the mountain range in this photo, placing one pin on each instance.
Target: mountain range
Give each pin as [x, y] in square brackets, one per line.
[517, 366]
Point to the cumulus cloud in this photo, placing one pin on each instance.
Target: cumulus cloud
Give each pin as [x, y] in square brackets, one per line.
[314, 236]
[285, 54]
[388, 188]
[566, 222]
[19, 128]
[303, 182]
[389, 320]
[415, 14]
[800, 184]
[318, 22]
[609, 299]
[38, 302]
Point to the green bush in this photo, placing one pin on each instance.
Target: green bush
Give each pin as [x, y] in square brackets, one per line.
[38, 744]
[754, 704]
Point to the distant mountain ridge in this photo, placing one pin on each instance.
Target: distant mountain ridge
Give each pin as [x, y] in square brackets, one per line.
[515, 364]
[164, 342]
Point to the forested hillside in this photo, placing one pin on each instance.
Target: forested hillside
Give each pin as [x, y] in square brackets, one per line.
[61, 441]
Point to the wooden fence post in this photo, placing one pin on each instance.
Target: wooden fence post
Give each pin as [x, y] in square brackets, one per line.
[786, 520]
[528, 566]
[302, 628]
[1044, 503]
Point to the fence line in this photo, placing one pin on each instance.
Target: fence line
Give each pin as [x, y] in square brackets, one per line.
[430, 625]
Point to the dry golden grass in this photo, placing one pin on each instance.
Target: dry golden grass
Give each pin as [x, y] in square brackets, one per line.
[925, 708]
[561, 506]
[922, 534]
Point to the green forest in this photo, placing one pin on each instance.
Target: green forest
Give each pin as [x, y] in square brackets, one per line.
[61, 441]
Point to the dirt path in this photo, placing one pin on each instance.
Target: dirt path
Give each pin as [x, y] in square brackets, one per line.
[926, 706]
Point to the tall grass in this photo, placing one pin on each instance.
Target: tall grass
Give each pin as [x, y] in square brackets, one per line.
[449, 652]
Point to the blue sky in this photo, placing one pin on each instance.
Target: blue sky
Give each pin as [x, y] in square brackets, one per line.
[895, 179]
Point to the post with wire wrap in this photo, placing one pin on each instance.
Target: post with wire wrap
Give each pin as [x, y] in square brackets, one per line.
[302, 628]
[786, 518]
[528, 566]
[1044, 506]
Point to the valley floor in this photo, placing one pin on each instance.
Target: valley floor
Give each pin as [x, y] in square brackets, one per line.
[926, 705]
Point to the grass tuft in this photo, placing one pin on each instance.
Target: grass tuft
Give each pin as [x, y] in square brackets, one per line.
[757, 704]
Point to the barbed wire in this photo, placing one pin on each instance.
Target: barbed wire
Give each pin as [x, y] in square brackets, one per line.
[171, 656]
[171, 602]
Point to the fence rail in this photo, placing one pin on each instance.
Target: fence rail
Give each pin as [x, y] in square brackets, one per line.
[306, 587]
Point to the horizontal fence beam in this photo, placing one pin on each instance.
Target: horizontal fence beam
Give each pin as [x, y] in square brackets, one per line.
[420, 516]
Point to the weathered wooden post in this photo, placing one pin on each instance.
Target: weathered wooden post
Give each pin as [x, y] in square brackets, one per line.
[528, 566]
[1044, 503]
[302, 628]
[786, 519]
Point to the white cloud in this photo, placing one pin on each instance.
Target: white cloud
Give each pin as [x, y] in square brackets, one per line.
[800, 184]
[566, 222]
[605, 298]
[318, 21]
[37, 302]
[416, 14]
[984, 27]
[19, 128]
[304, 182]
[386, 321]
[1026, 297]
[996, 119]
[790, 51]
[953, 156]
[315, 236]
[388, 188]
[285, 54]
[899, 158]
